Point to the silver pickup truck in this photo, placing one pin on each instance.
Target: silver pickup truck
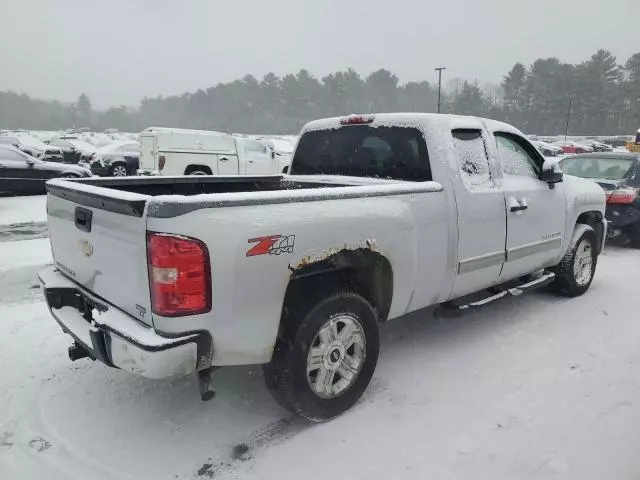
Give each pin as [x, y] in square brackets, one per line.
[382, 215]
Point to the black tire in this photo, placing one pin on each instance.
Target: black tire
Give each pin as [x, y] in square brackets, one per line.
[197, 170]
[566, 283]
[118, 170]
[286, 376]
[633, 232]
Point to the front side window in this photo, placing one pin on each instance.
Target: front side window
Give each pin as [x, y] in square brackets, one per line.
[472, 159]
[256, 147]
[398, 153]
[516, 156]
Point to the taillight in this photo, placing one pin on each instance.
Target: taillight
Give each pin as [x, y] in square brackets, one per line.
[161, 161]
[622, 196]
[179, 275]
[357, 120]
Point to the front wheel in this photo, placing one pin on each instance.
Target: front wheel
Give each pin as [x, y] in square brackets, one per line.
[324, 360]
[575, 272]
[119, 170]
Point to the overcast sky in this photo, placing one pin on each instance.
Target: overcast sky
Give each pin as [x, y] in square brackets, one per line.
[118, 51]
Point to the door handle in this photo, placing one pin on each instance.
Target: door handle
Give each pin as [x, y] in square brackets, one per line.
[224, 159]
[519, 208]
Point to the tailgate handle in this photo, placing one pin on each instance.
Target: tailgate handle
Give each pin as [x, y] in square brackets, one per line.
[83, 219]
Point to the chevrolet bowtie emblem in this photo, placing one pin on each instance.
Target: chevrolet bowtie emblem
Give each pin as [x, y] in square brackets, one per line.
[86, 248]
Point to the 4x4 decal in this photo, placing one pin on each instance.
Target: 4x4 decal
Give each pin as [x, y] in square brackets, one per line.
[271, 245]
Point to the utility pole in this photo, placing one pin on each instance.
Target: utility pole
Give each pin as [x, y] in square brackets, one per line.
[566, 130]
[439, 70]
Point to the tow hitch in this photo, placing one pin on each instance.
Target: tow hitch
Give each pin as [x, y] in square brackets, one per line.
[77, 352]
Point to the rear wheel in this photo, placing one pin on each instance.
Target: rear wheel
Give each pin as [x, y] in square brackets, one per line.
[575, 272]
[325, 358]
[119, 170]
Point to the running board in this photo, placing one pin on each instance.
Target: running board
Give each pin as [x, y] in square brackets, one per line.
[545, 279]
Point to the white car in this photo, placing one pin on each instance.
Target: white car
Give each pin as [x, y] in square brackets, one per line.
[380, 216]
[175, 151]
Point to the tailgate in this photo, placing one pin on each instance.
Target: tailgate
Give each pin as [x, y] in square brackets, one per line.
[98, 240]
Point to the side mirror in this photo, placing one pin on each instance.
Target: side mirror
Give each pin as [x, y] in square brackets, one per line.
[552, 176]
[30, 162]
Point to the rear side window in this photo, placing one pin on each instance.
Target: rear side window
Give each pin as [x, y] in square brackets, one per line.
[398, 153]
[471, 156]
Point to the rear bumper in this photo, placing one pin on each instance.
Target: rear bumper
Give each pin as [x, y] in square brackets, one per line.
[117, 339]
[621, 216]
[100, 170]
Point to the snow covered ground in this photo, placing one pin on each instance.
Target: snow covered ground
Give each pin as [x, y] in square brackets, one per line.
[535, 387]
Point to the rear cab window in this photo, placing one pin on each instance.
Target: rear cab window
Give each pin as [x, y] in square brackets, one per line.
[388, 152]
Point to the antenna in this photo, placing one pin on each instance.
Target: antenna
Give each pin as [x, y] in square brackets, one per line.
[566, 130]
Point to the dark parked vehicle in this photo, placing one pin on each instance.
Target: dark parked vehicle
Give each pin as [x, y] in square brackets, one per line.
[23, 174]
[32, 146]
[120, 159]
[71, 154]
[116, 165]
[619, 175]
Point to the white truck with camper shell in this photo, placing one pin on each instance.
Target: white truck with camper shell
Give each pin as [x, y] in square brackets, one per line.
[381, 215]
[175, 151]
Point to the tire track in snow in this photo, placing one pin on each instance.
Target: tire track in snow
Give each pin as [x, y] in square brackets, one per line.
[23, 231]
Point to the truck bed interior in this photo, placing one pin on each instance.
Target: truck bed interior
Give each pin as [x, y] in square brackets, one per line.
[196, 185]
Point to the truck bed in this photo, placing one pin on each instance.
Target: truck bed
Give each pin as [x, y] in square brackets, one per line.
[173, 196]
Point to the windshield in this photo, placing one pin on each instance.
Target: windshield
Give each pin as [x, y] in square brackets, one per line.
[594, 167]
[397, 153]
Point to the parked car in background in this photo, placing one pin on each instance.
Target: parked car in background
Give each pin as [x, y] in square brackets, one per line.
[32, 146]
[174, 151]
[619, 175]
[547, 149]
[20, 173]
[118, 159]
[73, 149]
[596, 145]
[282, 148]
[569, 146]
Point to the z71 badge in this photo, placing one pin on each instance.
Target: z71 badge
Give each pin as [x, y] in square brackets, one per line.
[271, 245]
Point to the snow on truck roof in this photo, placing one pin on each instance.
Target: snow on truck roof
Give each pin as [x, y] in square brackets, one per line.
[444, 121]
[181, 131]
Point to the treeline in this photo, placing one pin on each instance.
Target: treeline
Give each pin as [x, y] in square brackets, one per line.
[604, 96]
